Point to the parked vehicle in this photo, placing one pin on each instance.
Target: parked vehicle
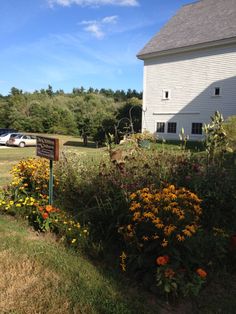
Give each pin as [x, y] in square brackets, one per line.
[5, 131]
[22, 140]
[4, 138]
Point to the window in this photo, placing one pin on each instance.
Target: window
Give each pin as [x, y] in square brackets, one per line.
[217, 91]
[166, 94]
[196, 128]
[172, 127]
[160, 127]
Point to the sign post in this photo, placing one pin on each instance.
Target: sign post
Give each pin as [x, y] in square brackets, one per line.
[48, 148]
[50, 200]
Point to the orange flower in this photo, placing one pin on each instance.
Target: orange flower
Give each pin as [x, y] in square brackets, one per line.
[49, 208]
[45, 215]
[169, 273]
[162, 260]
[40, 208]
[201, 272]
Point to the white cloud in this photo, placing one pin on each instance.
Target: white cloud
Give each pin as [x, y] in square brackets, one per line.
[110, 19]
[95, 30]
[97, 3]
[95, 27]
[88, 22]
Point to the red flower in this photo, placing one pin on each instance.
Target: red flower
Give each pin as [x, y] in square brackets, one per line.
[45, 215]
[162, 260]
[201, 272]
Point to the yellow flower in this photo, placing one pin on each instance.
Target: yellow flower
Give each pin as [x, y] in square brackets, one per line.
[129, 227]
[187, 233]
[136, 216]
[180, 238]
[132, 196]
[134, 206]
[73, 241]
[164, 243]
[123, 257]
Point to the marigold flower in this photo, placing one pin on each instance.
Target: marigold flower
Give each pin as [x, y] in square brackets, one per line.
[162, 260]
[201, 272]
[45, 215]
[48, 208]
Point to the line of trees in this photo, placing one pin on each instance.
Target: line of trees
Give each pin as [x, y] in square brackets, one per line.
[89, 113]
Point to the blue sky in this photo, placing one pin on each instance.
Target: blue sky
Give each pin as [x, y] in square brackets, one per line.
[73, 43]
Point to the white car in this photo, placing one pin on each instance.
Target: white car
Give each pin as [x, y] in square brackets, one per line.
[4, 138]
[22, 140]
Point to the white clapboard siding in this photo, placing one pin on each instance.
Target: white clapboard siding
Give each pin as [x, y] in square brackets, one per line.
[191, 78]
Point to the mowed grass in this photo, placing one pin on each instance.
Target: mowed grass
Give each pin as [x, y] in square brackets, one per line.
[39, 275]
[11, 155]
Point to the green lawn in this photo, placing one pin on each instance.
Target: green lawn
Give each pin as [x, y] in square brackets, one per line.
[10, 156]
[39, 275]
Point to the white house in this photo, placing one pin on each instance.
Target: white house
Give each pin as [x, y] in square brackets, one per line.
[190, 70]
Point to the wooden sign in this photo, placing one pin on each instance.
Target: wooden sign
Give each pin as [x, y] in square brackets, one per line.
[48, 148]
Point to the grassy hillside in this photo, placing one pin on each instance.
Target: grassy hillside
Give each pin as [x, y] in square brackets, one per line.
[38, 275]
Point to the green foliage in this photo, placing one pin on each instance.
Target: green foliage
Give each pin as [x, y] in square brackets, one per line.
[91, 112]
[215, 138]
[215, 184]
[183, 139]
[99, 195]
[230, 128]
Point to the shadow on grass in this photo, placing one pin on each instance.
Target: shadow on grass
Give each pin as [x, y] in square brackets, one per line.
[80, 144]
[196, 146]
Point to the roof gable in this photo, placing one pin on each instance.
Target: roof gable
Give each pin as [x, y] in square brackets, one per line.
[201, 22]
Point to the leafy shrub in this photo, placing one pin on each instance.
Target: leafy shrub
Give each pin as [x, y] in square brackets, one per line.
[216, 141]
[230, 128]
[97, 192]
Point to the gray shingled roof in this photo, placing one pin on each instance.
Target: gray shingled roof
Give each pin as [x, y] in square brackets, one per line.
[196, 23]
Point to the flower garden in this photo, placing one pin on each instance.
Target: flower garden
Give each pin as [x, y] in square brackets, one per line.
[164, 218]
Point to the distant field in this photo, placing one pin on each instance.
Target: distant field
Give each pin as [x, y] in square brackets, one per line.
[10, 156]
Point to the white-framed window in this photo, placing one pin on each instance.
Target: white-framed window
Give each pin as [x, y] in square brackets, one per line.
[160, 127]
[166, 94]
[216, 91]
[171, 128]
[197, 128]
